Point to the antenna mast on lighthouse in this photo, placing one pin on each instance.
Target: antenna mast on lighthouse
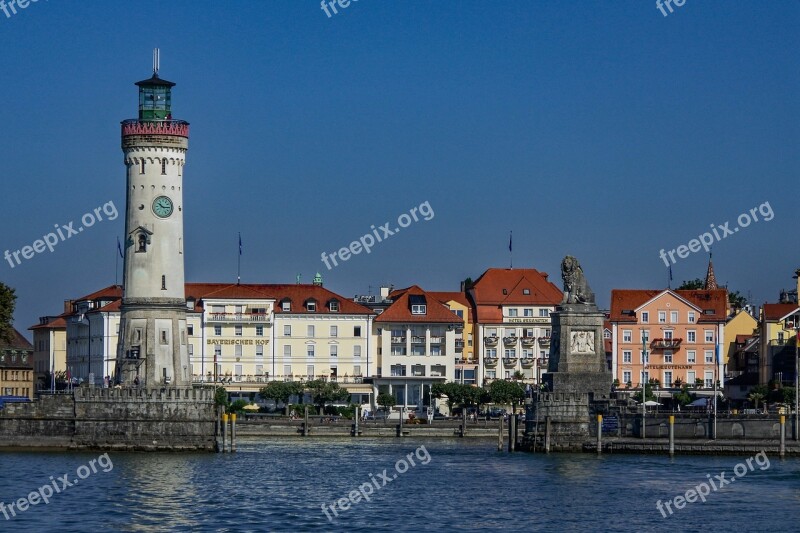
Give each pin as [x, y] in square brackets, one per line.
[156, 61]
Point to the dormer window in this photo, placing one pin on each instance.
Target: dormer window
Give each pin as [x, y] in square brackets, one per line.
[286, 305]
[311, 306]
[418, 304]
[526, 292]
[333, 305]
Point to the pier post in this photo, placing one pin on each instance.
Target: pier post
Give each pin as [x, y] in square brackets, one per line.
[464, 421]
[500, 435]
[233, 432]
[599, 434]
[218, 429]
[671, 435]
[355, 426]
[305, 422]
[512, 430]
[547, 434]
[400, 425]
[224, 432]
[783, 437]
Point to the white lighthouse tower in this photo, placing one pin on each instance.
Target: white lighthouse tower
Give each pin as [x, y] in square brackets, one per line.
[152, 351]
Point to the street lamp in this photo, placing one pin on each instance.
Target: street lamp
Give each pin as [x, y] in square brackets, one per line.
[796, 375]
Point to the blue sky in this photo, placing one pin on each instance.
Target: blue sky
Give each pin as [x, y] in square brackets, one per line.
[598, 129]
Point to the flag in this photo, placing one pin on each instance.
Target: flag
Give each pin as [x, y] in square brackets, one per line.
[119, 248]
[510, 235]
[240, 244]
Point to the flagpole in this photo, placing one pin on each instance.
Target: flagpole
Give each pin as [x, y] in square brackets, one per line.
[239, 266]
[510, 247]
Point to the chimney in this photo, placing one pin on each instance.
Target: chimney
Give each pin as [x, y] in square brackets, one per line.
[385, 291]
[68, 306]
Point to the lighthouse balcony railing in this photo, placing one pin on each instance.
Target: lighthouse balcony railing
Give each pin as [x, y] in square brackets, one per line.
[137, 126]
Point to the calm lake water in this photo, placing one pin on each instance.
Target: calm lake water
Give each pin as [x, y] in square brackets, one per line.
[280, 485]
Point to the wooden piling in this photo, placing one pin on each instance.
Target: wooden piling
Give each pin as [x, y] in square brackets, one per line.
[233, 433]
[671, 435]
[599, 434]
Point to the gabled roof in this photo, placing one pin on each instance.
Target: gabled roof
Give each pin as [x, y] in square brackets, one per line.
[18, 342]
[623, 300]
[400, 310]
[777, 312]
[488, 289]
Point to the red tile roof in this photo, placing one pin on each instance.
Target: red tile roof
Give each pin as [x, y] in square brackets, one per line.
[632, 299]
[58, 322]
[487, 291]
[18, 342]
[778, 311]
[298, 293]
[112, 291]
[400, 310]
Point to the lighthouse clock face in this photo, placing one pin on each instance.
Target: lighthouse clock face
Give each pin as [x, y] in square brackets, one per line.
[162, 207]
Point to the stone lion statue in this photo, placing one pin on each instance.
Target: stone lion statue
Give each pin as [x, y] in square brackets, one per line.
[576, 289]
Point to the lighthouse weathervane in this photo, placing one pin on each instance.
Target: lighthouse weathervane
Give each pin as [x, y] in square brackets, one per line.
[152, 351]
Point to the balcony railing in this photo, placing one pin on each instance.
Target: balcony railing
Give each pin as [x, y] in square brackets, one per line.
[418, 340]
[399, 340]
[666, 344]
[510, 340]
[155, 127]
[510, 361]
[251, 379]
[544, 341]
[490, 361]
[239, 317]
[491, 341]
[528, 341]
[527, 362]
[437, 340]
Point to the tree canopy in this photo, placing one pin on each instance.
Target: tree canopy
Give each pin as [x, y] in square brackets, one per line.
[8, 301]
[324, 392]
[385, 400]
[506, 392]
[281, 391]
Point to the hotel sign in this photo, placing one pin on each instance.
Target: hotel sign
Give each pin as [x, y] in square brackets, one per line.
[529, 320]
[235, 341]
[671, 367]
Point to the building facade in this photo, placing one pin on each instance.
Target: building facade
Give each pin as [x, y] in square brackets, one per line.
[416, 346]
[512, 323]
[674, 337]
[16, 368]
[467, 368]
[50, 348]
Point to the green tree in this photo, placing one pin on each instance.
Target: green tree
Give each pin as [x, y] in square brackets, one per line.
[756, 397]
[683, 397]
[237, 406]
[692, 285]
[736, 300]
[386, 401]
[8, 301]
[454, 393]
[281, 392]
[648, 393]
[505, 392]
[324, 392]
[787, 395]
[221, 397]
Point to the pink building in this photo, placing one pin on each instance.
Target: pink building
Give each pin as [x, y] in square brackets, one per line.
[668, 335]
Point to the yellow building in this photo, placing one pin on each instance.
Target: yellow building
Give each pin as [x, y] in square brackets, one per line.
[16, 367]
[466, 370]
[49, 349]
[778, 336]
[738, 326]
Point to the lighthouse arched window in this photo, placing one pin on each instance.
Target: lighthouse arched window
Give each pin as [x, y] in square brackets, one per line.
[141, 167]
[163, 166]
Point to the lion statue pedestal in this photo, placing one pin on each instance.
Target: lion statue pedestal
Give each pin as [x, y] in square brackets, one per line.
[577, 352]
